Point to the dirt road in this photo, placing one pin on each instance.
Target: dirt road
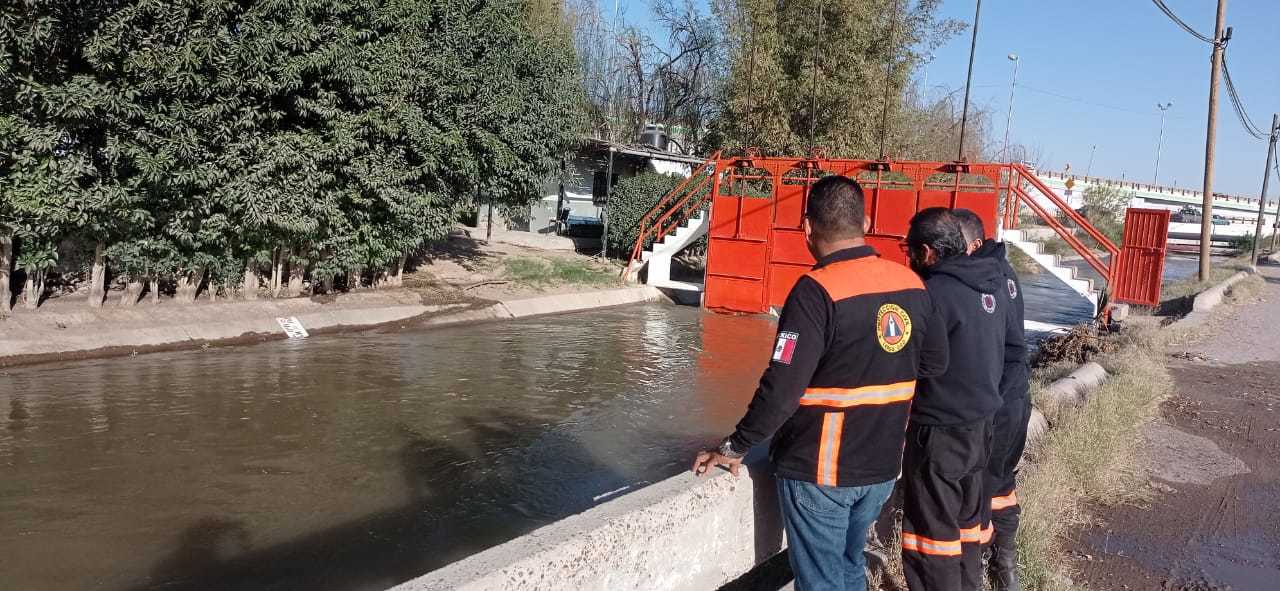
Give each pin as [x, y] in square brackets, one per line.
[1213, 520]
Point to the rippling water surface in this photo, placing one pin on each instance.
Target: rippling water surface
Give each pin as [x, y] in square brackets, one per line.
[357, 461]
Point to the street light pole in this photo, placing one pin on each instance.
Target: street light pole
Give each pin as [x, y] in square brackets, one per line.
[1008, 118]
[968, 82]
[1155, 179]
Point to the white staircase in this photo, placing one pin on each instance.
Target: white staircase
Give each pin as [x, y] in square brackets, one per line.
[658, 257]
[1053, 264]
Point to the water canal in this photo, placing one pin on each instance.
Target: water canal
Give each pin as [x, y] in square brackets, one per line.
[359, 461]
[354, 461]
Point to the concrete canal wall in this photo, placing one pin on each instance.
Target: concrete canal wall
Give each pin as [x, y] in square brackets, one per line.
[684, 533]
[176, 328]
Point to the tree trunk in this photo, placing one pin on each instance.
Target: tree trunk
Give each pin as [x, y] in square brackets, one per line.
[277, 282]
[30, 299]
[132, 292]
[189, 285]
[353, 280]
[296, 274]
[398, 279]
[98, 276]
[250, 282]
[6, 265]
[155, 291]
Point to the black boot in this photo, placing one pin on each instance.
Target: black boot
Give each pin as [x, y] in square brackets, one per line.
[1003, 566]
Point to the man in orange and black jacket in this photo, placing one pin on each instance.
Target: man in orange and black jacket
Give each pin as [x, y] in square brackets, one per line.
[854, 335]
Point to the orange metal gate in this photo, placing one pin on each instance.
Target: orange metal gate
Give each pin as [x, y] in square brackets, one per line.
[756, 249]
[1140, 269]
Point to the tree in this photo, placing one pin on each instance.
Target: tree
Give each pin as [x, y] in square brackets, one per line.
[631, 199]
[814, 72]
[198, 141]
[631, 79]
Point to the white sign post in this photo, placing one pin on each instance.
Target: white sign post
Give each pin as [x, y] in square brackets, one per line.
[293, 327]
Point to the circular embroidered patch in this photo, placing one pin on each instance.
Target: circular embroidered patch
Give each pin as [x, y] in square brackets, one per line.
[893, 328]
[1013, 290]
[989, 303]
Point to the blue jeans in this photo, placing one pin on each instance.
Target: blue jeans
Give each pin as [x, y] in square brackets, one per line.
[827, 531]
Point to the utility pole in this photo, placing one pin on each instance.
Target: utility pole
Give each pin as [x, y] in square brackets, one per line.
[1206, 222]
[1008, 118]
[1266, 176]
[968, 82]
[1155, 178]
[1090, 166]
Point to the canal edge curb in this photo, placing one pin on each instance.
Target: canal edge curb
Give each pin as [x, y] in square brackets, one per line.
[134, 340]
[1204, 302]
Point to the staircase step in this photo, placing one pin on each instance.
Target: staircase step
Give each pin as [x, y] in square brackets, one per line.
[680, 285]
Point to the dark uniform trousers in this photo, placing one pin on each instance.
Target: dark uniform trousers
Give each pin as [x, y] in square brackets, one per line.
[1008, 442]
[944, 503]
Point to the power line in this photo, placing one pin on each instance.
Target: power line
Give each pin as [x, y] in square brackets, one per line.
[1169, 12]
[1087, 102]
[1238, 106]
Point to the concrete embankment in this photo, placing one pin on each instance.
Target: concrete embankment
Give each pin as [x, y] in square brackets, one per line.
[152, 329]
[681, 533]
[684, 533]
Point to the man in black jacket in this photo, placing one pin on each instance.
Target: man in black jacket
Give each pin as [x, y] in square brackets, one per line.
[1009, 428]
[855, 334]
[949, 436]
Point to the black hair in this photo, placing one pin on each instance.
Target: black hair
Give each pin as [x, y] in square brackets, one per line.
[970, 223]
[836, 208]
[939, 229]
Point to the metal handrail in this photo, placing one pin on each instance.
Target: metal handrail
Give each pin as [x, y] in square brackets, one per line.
[672, 202]
[1106, 269]
[1065, 207]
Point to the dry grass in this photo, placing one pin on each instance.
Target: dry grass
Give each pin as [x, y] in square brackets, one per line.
[1085, 457]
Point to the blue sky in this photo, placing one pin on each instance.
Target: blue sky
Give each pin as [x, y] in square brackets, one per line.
[1117, 59]
[1113, 60]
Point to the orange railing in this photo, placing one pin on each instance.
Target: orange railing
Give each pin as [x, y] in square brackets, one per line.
[1018, 175]
[674, 209]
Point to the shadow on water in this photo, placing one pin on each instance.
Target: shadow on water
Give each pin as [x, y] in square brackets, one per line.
[396, 545]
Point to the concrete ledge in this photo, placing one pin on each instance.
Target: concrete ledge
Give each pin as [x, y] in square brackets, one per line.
[1205, 301]
[256, 320]
[684, 533]
[1210, 298]
[570, 302]
[1074, 389]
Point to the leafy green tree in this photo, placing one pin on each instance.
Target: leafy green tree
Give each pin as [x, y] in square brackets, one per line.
[194, 141]
[631, 199]
[818, 67]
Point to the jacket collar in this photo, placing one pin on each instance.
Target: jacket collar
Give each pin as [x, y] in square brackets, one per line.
[847, 254]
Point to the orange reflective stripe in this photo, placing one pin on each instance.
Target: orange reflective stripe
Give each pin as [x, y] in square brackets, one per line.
[1009, 500]
[977, 534]
[923, 545]
[864, 396]
[829, 448]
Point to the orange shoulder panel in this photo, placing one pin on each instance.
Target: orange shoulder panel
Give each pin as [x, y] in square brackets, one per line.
[867, 275]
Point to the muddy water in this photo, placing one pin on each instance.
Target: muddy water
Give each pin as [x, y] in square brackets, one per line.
[352, 462]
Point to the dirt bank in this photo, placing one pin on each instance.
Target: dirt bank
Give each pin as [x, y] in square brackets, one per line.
[458, 281]
[1206, 518]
